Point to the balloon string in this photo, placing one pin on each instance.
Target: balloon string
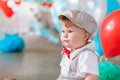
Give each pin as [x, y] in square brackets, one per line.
[103, 58]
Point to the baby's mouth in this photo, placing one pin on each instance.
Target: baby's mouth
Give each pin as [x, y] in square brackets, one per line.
[65, 40]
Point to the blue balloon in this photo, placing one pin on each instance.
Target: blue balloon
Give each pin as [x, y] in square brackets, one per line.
[11, 43]
[112, 5]
[97, 43]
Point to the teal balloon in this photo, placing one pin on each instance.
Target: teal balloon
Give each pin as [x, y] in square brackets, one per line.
[32, 1]
[97, 43]
[112, 5]
[40, 1]
[108, 71]
[48, 1]
[25, 0]
[29, 0]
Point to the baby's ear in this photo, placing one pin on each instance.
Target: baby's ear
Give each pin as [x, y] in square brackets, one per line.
[86, 36]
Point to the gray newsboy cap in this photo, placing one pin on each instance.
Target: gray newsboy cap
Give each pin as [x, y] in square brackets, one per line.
[82, 19]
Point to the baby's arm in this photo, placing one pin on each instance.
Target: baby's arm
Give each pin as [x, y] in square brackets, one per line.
[91, 77]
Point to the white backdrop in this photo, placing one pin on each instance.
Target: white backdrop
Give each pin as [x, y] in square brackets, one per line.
[19, 22]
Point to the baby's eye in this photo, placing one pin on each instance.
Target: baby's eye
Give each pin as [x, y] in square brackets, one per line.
[70, 31]
[63, 31]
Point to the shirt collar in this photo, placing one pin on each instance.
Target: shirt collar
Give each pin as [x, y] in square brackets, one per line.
[90, 45]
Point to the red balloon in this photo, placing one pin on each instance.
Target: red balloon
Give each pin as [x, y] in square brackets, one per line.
[7, 11]
[49, 5]
[110, 34]
[44, 4]
[18, 2]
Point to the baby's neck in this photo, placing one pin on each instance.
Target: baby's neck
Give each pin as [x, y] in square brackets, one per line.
[73, 49]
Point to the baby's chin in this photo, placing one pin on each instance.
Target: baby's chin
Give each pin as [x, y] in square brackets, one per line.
[66, 45]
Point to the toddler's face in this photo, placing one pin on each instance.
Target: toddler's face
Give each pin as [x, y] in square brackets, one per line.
[73, 37]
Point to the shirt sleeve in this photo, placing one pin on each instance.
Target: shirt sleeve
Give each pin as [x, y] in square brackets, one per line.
[88, 63]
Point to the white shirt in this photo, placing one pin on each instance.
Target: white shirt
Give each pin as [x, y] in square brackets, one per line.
[83, 60]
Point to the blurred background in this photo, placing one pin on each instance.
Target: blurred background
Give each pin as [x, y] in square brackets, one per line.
[29, 36]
